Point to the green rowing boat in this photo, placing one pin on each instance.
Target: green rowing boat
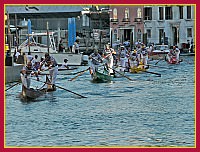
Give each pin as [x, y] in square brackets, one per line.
[102, 76]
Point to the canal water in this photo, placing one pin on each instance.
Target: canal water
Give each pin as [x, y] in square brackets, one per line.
[150, 111]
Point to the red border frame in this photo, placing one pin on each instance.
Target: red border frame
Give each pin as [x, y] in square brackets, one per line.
[2, 149]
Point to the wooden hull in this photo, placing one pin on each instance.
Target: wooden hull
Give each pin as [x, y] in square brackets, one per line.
[138, 69]
[156, 56]
[173, 60]
[102, 76]
[30, 93]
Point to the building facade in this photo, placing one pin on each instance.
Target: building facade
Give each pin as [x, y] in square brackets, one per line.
[126, 23]
[170, 24]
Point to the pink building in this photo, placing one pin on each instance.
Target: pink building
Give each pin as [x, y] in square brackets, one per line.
[126, 23]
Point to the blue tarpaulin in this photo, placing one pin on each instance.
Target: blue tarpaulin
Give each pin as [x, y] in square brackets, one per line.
[71, 31]
[29, 26]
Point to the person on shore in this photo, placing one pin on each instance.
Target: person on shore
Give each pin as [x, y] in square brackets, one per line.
[35, 62]
[61, 47]
[29, 57]
[52, 65]
[26, 72]
[96, 59]
[64, 64]
[17, 54]
[76, 47]
[14, 57]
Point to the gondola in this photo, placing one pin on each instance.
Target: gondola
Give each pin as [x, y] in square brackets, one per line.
[102, 76]
[173, 60]
[31, 93]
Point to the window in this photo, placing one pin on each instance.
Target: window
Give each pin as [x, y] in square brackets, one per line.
[39, 39]
[139, 35]
[161, 17]
[161, 36]
[139, 13]
[85, 20]
[126, 13]
[189, 32]
[148, 33]
[114, 37]
[114, 13]
[181, 12]
[189, 12]
[168, 13]
[148, 13]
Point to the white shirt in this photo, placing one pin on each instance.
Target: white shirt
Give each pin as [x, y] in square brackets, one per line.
[17, 54]
[64, 65]
[29, 58]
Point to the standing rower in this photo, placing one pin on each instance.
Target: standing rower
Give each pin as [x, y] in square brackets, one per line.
[107, 55]
[96, 59]
[53, 68]
[26, 72]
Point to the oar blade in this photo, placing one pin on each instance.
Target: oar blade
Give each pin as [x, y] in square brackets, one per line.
[158, 74]
[80, 73]
[13, 86]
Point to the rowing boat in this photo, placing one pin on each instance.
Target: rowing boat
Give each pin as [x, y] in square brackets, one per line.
[102, 76]
[138, 69]
[31, 93]
[173, 60]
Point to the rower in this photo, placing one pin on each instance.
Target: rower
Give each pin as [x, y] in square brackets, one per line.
[107, 55]
[26, 72]
[145, 57]
[123, 57]
[52, 67]
[171, 54]
[177, 52]
[96, 59]
[133, 59]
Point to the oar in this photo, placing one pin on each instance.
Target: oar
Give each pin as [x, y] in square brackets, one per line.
[13, 85]
[80, 73]
[121, 74]
[153, 73]
[159, 66]
[63, 89]
[158, 61]
[181, 60]
[71, 91]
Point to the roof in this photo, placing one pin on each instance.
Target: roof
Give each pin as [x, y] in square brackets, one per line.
[45, 11]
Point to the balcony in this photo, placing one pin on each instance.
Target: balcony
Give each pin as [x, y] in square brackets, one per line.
[126, 20]
[114, 20]
[138, 20]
